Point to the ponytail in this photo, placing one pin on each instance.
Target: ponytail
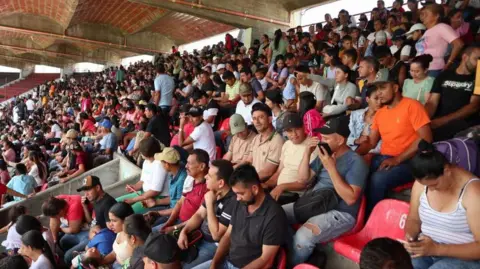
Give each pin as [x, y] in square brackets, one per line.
[35, 240]
[278, 36]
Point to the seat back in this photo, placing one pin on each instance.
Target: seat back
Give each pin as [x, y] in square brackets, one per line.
[281, 259]
[305, 266]
[360, 216]
[387, 220]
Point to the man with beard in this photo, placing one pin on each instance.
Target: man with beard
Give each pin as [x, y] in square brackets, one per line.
[401, 124]
[453, 104]
[257, 229]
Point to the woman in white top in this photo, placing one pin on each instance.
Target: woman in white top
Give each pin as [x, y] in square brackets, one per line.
[36, 248]
[117, 215]
[343, 90]
[442, 229]
[38, 170]
[152, 183]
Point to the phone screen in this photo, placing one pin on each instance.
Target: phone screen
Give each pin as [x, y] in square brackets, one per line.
[326, 147]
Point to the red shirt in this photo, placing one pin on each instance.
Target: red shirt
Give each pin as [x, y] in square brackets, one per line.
[187, 129]
[81, 159]
[3, 189]
[74, 207]
[193, 200]
[89, 126]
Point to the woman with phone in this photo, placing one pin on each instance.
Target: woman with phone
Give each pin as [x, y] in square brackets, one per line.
[442, 228]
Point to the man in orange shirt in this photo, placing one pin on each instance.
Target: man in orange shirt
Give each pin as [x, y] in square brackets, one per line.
[401, 123]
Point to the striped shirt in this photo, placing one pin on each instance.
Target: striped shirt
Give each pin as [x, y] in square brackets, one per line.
[223, 211]
[445, 228]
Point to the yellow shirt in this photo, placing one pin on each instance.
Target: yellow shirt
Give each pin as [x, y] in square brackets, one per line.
[233, 90]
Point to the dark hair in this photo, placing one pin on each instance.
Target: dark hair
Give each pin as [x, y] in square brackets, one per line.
[372, 61]
[3, 165]
[27, 223]
[35, 156]
[428, 163]
[15, 212]
[53, 206]
[152, 107]
[228, 75]
[345, 69]
[289, 56]
[371, 89]
[408, 15]
[246, 71]
[453, 12]
[278, 58]
[437, 10]
[245, 174]
[262, 107]
[379, 251]
[352, 53]
[16, 261]
[149, 147]
[35, 240]
[202, 156]
[121, 210]
[306, 101]
[278, 37]
[423, 60]
[382, 51]
[21, 168]
[347, 38]
[333, 52]
[136, 225]
[160, 68]
[225, 169]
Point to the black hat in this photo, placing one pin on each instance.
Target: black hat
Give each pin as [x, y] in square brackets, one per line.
[89, 182]
[274, 96]
[335, 126]
[161, 248]
[398, 34]
[292, 120]
[195, 111]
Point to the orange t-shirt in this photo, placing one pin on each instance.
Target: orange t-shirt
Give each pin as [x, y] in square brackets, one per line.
[398, 126]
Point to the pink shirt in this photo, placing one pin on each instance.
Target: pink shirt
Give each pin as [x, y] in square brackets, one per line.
[311, 121]
[436, 42]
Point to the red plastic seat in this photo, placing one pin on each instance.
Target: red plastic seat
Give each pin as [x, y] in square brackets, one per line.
[282, 259]
[403, 187]
[305, 266]
[358, 225]
[387, 220]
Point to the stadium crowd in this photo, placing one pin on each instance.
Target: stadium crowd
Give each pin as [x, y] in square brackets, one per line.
[249, 155]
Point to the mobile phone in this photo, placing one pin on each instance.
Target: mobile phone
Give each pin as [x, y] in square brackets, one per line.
[325, 147]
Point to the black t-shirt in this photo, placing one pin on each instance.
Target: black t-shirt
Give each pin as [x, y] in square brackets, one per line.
[266, 226]
[101, 209]
[208, 87]
[455, 91]
[213, 106]
[158, 127]
[223, 211]
[218, 90]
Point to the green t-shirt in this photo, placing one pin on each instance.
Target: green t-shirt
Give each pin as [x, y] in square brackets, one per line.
[417, 91]
[281, 50]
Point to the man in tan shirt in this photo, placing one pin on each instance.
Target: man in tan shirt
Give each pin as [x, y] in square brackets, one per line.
[267, 145]
[241, 143]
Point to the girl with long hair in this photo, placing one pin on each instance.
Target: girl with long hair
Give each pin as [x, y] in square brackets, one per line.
[312, 119]
[37, 249]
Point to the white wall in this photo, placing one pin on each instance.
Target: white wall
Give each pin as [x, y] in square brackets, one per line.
[45, 69]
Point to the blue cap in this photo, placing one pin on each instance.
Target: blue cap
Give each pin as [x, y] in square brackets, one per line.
[106, 124]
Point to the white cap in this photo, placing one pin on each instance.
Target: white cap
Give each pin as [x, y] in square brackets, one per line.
[215, 58]
[220, 66]
[416, 27]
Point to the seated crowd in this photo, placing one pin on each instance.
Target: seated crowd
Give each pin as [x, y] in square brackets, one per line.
[238, 148]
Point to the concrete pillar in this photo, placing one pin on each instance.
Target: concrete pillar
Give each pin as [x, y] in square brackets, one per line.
[27, 70]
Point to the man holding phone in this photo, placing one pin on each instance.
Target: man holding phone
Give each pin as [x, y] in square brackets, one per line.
[345, 172]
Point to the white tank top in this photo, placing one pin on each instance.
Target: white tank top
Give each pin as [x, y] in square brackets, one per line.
[121, 250]
[445, 228]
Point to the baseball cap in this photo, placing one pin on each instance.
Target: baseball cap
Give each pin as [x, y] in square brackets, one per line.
[168, 155]
[335, 126]
[220, 66]
[416, 27]
[244, 89]
[72, 133]
[398, 34]
[195, 111]
[89, 182]
[292, 120]
[381, 36]
[274, 96]
[106, 124]
[237, 124]
[161, 248]
[215, 58]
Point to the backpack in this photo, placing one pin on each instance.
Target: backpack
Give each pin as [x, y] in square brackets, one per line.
[460, 151]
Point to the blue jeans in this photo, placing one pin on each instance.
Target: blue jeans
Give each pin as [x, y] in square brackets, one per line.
[206, 251]
[225, 265]
[443, 263]
[383, 181]
[330, 225]
[71, 243]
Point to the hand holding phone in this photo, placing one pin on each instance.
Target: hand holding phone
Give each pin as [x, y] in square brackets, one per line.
[326, 148]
